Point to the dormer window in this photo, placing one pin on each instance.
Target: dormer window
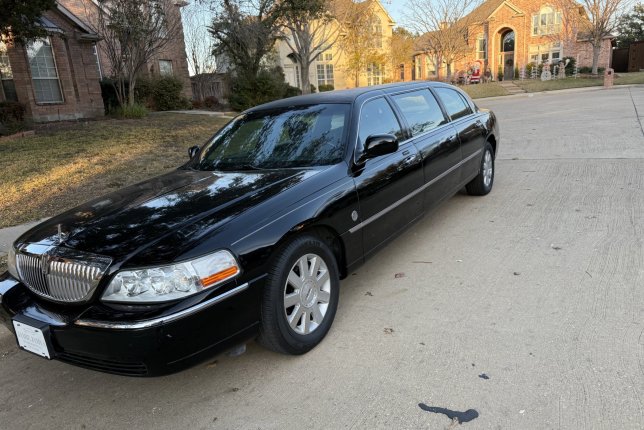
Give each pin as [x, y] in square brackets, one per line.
[547, 21]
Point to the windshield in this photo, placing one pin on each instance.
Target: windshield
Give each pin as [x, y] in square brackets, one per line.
[299, 136]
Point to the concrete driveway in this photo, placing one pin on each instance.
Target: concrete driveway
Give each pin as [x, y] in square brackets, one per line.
[526, 306]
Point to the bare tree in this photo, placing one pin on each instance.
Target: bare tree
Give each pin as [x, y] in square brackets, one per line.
[443, 25]
[600, 22]
[359, 42]
[245, 32]
[133, 34]
[310, 30]
[199, 45]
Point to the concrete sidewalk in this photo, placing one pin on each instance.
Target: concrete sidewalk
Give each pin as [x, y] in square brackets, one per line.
[9, 234]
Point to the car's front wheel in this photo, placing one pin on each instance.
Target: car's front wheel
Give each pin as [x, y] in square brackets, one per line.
[482, 184]
[300, 296]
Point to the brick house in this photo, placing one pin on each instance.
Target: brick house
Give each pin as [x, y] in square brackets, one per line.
[504, 35]
[170, 61]
[58, 77]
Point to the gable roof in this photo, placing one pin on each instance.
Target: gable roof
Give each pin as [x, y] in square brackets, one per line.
[89, 34]
[484, 11]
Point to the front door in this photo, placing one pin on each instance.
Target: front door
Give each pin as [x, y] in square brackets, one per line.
[508, 66]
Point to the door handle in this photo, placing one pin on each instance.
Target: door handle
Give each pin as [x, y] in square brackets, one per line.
[410, 160]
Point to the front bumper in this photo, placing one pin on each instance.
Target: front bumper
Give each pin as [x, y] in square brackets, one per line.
[137, 347]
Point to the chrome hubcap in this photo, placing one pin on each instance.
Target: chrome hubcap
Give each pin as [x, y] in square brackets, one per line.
[307, 294]
[488, 166]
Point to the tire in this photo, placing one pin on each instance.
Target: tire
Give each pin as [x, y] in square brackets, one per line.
[297, 311]
[482, 184]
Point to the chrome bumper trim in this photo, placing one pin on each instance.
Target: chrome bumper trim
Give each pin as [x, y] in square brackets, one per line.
[165, 319]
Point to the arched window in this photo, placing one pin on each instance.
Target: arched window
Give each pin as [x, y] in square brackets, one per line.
[507, 42]
[547, 21]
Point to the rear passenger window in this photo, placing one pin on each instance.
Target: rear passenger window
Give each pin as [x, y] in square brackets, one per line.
[454, 103]
[421, 110]
[377, 117]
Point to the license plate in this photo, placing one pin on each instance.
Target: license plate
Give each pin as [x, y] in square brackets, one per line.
[31, 339]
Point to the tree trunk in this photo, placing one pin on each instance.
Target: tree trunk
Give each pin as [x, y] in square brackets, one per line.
[596, 51]
[448, 69]
[357, 78]
[130, 92]
[304, 77]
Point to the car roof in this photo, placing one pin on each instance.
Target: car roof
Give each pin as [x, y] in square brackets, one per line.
[343, 96]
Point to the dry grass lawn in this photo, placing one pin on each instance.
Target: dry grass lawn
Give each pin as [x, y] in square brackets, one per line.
[490, 89]
[67, 164]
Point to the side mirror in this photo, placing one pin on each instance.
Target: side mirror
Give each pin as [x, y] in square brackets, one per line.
[379, 144]
[193, 151]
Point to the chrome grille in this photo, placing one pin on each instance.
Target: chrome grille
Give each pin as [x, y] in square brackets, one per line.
[62, 275]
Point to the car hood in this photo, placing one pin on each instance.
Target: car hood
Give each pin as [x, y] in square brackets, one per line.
[128, 221]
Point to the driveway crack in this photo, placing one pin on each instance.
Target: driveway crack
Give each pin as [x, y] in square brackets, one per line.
[637, 115]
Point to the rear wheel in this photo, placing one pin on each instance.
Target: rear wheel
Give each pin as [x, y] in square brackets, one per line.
[300, 297]
[482, 184]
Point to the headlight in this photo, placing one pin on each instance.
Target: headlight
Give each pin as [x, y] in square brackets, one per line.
[11, 262]
[176, 281]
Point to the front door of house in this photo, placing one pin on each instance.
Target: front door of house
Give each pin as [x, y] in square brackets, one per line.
[508, 66]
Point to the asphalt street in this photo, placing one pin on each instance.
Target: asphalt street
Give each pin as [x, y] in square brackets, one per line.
[523, 309]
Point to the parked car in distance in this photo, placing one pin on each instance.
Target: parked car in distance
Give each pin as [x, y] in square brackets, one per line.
[251, 237]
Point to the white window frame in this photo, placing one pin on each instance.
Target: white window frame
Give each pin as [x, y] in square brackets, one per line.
[374, 74]
[547, 21]
[161, 73]
[57, 78]
[325, 74]
[481, 54]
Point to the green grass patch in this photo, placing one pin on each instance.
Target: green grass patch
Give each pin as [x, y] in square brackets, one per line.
[66, 164]
[479, 91]
[136, 111]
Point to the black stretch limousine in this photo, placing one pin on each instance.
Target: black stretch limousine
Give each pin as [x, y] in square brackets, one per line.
[251, 237]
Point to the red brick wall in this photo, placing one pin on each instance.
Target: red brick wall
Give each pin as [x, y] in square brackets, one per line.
[174, 51]
[77, 73]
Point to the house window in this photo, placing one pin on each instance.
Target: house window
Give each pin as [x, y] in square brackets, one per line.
[325, 74]
[298, 81]
[547, 21]
[324, 56]
[417, 68]
[430, 66]
[374, 74]
[165, 68]
[481, 48]
[44, 73]
[402, 72]
[377, 33]
[545, 53]
[6, 75]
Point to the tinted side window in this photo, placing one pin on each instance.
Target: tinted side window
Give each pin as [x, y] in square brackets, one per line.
[421, 110]
[377, 117]
[454, 103]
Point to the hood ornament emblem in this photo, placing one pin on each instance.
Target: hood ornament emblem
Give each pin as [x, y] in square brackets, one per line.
[61, 236]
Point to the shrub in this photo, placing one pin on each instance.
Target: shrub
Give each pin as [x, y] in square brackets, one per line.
[499, 73]
[570, 68]
[135, 111]
[166, 94]
[197, 104]
[248, 91]
[326, 87]
[12, 118]
[211, 102]
[108, 92]
[589, 70]
[292, 91]
[313, 89]
[516, 72]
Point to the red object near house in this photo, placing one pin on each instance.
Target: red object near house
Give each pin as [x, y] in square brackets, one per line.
[475, 78]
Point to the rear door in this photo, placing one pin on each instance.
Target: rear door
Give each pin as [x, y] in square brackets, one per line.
[471, 130]
[386, 184]
[436, 140]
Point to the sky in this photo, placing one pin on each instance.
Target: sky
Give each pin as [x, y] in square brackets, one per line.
[395, 8]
